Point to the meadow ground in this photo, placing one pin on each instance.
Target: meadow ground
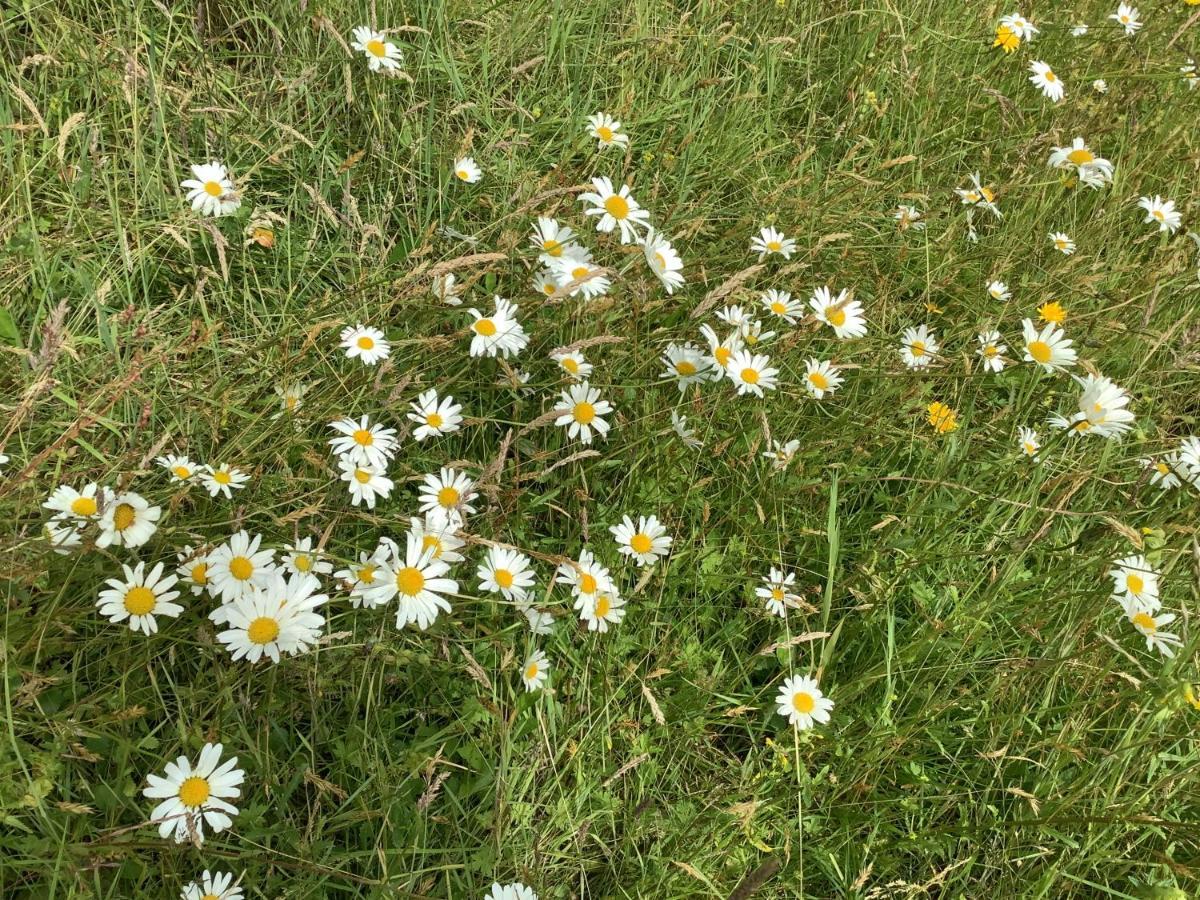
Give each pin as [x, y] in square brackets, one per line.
[1000, 728]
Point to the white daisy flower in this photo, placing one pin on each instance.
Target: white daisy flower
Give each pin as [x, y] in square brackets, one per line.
[544, 282]
[573, 364]
[1135, 579]
[1161, 213]
[580, 411]
[1020, 26]
[535, 670]
[663, 259]
[751, 373]
[782, 454]
[1189, 460]
[64, 532]
[1027, 439]
[1102, 407]
[192, 569]
[445, 290]
[291, 397]
[550, 239]
[733, 316]
[139, 598]
[777, 591]
[606, 608]
[180, 467]
[908, 217]
[1127, 17]
[684, 433]
[1164, 471]
[770, 241]
[83, 505]
[301, 559]
[841, 313]
[721, 350]
[752, 333]
[363, 443]
[576, 265]
[1150, 627]
[192, 797]
[821, 378]
[279, 620]
[363, 577]
[1044, 79]
[223, 479]
[381, 54]
[1191, 76]
[497, 334]
[686, 364]
[365, 343]
[506, 572]
[991, 350]
[781, 304]
[128, 521]
[616, 208]
[645, 543]
[978, 195]
[514, 891]
[238, 569]
[213, 886]
[918, 347]
[1062, 242]
[802, 703]
[607, 131]
[998, 290]
[586, 577]
[418, 583]
[438, 536]
[211, 191]
[1100, 86]
[1092, 170]
[466, 170]
[1079, 30]
[1050, 348]
[434, 417]
[365, 482]
[449, 492]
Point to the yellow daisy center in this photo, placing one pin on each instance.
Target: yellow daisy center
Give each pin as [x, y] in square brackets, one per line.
[410, 581]
[1049, 76]
[602, 606]
[123, 516]
[774, 246]
[803, 702]
[571, 365]
[819, 381]
[776, 594]
[84, 506]
[1040, 351]
[584, 413]
[836, 317]
[1158, 214]
[685, 368]
[990, 350]
[363, 437]
[303, 562]
[263, 630]
[463, 175]
[200, 573]
[531, 671]
[587, 583]
[749, 375]
[917, 348]
[432, 542]
[641, 542]
[778, 308]
[448, 497]
[988, 194]
[362, 476]
[365, 343]
[213, 188]
[579, 272]
[1162, 467]
[241, 568]
[366, 574]
[503, 577]
[182, 472]
[1145, 620]
[1135, 583]
[434, 420]
[222, 477]
[485, 327]
[553, 247]
[376, 47]
[722, 355]
[604, 133]
[617, 206]
[1080, 156]
[194, 791]
[139, 601]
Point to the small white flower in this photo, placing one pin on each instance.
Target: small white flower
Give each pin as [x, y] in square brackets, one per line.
[802, 703]
[777, 591]
[364, 481]
[842, 313]
[139, 598]
[224, 480]
[991, 350]
[535, 670]
[499, 334]
[1127, 17]
[908, 217]
[644, 543]
[446, 290]
[751, 373]
[1062, 242]
[466, 170]
[1027, 439]
[607, 131]
[782, 454]
[301, 559]
[506, 572]
[362, 442]
[581, 410]
[770, 241]
[998, 290]
[821, 377]
[1044, 79]
[663, 260]
[1161, 213]
[918, 347]
[615, 209]
[194, 796]
[450, 492]
[180, 467]
[211, 191]
[128, 521]
[381, 54]
[684, 433]
[1100, 86]
[550, 239]
[434, 417]
[573, 363]
[366, 344]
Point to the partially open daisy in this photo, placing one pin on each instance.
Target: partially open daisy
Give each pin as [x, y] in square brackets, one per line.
[721, 350]
[194, 796]
[663, 259]
[279, 620]
[544, 282]
[918, 347]
[607, 131]
[1027, 440]
[438, 535]
[1044, 79]
[507, 572]
[139, 598]
[942, 417]
[550, 239]
[128, 520]
[1162, 213]
[908, 217]
[382, 54]
[365, 482]
[449, 492]
[645, 542]
[362, 342]
[770, 242]
[573, 363]
[539, 621]
[979, 195]
[991, 350]
[1164, 471]
[224, 479]
[362, 442]
[238, 568]
[842, 313]
[1092, 170]
[821, 377]
[998, 290]
[498, 334]
[193, 568]
[751, 373]
[64, 532]
[301, 559]
[535, 670]
[434, 417]
[782, 453]
[606, 608]
[446, 290]
[586, 577]
[1062, 242]
[211, 191]
[1134, 578]
[802, 703]
[291, 397]
[753, 332]
[581, 412]
[616, 209]
[576, 273]
[466, 170]
[180, 467]
[685, 433]
[213, 886]
[417, 581]
[1050, 348]
[776, 590]
[83, 505]
[363, 576]
[1150, 627]
[780, 303]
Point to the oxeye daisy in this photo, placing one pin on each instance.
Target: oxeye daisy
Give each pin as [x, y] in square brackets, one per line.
[1189, 460]
[1133, 577]
[449, 492]
[1027, 440]
[362, 577]
[291, 397]
[381, 54]
[544, 282]
[365, 343]
[535, 670]
[211, 191]
[780, 303]
[616, 209]
[643, 543]
[721, 350]
[83, 505]
[180, 467]
[802, 703]
[606, 608]
[576, 265]
[685, 433]
[64, 532]
[751, 373]
[128, 520]
[733, 316]
[446, 290]
[466, 170]
[821, 378]
[607, 131]
[942, 417]
[1092, 170]
[238, 568]
[842, 313]
[194, 796]
[1044, 79]
[1050, 348]
[193, 568]
[279, 620]
[362, 442]
[979, 195]
[782, 454]
[776, 590]
[580, 411]
[1100, 86]
[434, 417]
[223, 479]
[1020, 25]
[663, 259]
[686, 364]
[513, 891]
[1052, 311]
[918, 347]
[438, 536]
[1127, 17]
[991, 350]
[498, 334]
[573, 363]
[753, 334]
[139, 598]
[1150, 627]
[770, 241]
[1103, 406]
[418, 583]
[301, 559]
[539, 621]
[550, 239]
[1161, 213]
[213, 886]
[365, 482]
[908, 217]
[1163, 471]
[507, 572]
[998, 290]
[1191, 75]
[586, 577]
